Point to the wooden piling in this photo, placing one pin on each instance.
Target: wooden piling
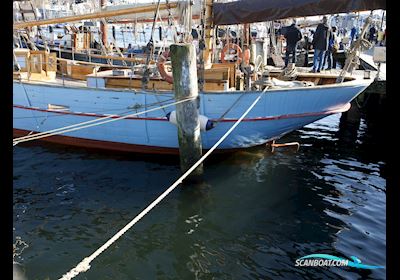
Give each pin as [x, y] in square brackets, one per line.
[183, 59]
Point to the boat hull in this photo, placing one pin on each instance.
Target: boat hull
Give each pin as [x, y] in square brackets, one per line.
[277, 113]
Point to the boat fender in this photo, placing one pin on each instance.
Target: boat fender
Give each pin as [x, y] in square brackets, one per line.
[161, 67]
[205, 123]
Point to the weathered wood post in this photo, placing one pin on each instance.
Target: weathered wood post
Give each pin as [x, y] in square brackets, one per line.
[184, 69]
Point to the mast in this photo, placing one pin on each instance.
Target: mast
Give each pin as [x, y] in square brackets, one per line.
[208, 33]
[103, 26]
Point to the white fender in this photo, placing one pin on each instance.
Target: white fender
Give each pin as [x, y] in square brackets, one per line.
[205, 123]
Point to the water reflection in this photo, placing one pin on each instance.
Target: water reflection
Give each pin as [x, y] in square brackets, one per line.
[254, 214]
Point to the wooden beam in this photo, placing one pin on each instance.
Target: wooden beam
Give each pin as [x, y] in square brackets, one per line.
[128, 59]
[128, 21]
[104, 14]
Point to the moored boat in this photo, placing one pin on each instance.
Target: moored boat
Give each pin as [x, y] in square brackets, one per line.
[44, 101]
[48, 104]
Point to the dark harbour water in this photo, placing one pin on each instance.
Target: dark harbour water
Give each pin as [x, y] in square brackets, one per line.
[253, 216]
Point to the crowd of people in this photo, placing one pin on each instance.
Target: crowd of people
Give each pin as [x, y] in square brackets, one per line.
[325, 42]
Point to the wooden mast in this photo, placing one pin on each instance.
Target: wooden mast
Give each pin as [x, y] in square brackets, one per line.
[103, 14]
[209, 33]
[103, 27]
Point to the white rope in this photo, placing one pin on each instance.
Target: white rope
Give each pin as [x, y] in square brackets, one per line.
[84, 265]
[88, 124]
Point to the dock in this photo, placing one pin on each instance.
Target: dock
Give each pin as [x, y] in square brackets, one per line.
[366, 60]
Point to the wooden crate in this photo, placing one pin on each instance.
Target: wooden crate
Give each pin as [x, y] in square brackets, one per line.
[79, 71]
[50, 62]
[221, 73]
[232, 71]
[62, 67]
[126, 82]
[75, 70]
[36, 61]
[22, 59]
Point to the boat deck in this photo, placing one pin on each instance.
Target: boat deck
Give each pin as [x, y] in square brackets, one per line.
[303, 71]
[57, 81]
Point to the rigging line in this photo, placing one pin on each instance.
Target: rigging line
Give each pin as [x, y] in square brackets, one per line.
[115, 44]
[150, 50]
[123, 36]
[154, 25]
[171, 22]
[84, 265]
[63, 115]
[230, 108]
[164, 41]
[60, 131]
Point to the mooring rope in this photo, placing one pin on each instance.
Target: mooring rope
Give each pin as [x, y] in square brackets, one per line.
[84, 265]
[87, 124]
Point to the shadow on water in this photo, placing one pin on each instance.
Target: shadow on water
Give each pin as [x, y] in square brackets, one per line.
[253, 215]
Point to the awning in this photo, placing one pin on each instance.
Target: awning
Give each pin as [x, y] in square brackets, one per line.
[248, 11]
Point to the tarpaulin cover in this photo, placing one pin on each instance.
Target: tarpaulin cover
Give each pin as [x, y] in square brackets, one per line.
[248, 11]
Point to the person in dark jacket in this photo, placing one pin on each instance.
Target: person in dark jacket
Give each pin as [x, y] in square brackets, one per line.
[330, 54]
[293, 36]
[320, 44]
[372, 32]
[353, 33]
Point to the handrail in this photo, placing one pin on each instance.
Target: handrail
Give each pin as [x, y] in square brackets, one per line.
[129, 59]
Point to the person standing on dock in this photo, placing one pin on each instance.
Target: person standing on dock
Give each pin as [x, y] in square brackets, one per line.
[330, 54]
[353, 33]
[130, 50]
[371, 36]
[320, 44]
[293, 36]
[51, 34]
[113, 32]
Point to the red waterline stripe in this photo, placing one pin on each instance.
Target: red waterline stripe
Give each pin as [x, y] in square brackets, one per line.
[111, 146]
[288, 116]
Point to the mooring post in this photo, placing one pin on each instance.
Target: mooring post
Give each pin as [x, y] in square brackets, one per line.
[184, 69]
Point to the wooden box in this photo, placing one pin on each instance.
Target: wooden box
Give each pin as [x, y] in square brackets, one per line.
[22, 59]
[36, 61]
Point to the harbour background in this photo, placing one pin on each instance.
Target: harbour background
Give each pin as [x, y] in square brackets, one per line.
[251, 218]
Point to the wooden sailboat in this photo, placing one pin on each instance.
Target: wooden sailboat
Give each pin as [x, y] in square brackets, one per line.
[44, 102]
